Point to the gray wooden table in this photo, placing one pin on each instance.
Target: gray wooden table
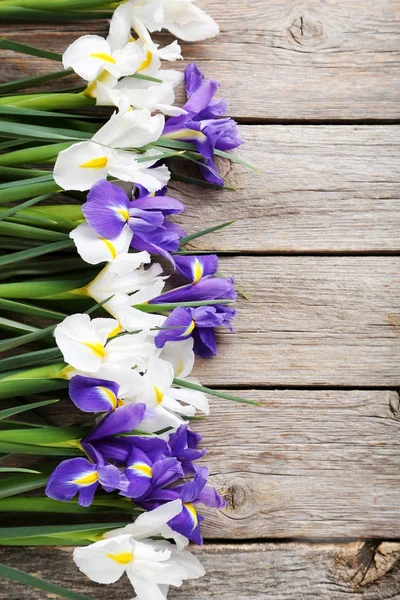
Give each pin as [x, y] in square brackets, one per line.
[313, 477]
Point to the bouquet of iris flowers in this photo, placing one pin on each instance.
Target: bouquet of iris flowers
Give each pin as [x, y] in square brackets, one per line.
[88, 241]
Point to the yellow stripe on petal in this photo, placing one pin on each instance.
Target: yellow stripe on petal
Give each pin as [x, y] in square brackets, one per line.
[88, 479]
[110, 396]
[143, 469]
[97, 348]
[95, 163]
[187, 134]
[190, 328]
[103, 56]
[159, 395]
[115, 331]
[122, 558]
[192, 511]
[197, 271]
[147, 61]
[123, 212]
[111, 248]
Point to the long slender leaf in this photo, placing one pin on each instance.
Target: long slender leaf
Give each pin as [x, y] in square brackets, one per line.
[40, 132]
[15, 209]
[27, 189]
[19, 484]
[17, 470]
[201, 388]
[23, 255]
[40, 584]
[60, 4]
[33, 450]
[194, 236]
[9, 412]
[30, 309]
[31, 112]
[16, 326]
[31, 233]
[17, 13]
[37, 154]
[6, 44]
[32, 81]
[50, 436]
[29, 358]
[47, 505]
[200, 182]
[236, 159]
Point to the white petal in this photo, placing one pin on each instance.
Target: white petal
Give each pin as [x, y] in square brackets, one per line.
[120, 27]
[180, 540]
[181, 356]
[78, 340]
[94, 249]
[162, 418]
[192, 397]
[87, 56]
[175, 406]
[188, 22]
[171, 52]
[95, 561]
[81, 165]
[145, 589]
[160, 374]
[127, 60]
[130, 129]
[149, 524]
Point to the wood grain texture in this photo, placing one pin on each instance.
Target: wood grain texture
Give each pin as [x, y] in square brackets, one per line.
[326, 321]
[366, 571]
[321, 189]
[315, 60]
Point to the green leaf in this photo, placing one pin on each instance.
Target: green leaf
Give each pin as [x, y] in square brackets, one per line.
[39, 584]
[50, 436]
[32, 81]
[31, 112]
[15, 209]
[57, 100]
[27, 189]
[40, 132]
[200, 182]
[200, 388]
[47, 505]
[194, 236]
[32, 450]
[23, 255]
[38, 154]
[55, 535]
[6, 44]
[29, 309]
[145, 77]
[31, 233]
[17, 13]
[29, 358]
[32, 381]
[154, 308]
[14, 174]
[236, 159]
[9, 412]
[17, 470]
[16, 326]
[19, 484]
[60, 5]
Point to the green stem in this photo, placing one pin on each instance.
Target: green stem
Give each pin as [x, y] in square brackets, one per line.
[37, 154]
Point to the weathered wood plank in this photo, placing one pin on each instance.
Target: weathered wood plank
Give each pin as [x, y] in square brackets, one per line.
[307, 464]
[314, 60]
[366, 571]
[321, 189]
[330, 321]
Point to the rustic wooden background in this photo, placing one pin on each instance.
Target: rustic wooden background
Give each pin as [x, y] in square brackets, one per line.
[312, 478]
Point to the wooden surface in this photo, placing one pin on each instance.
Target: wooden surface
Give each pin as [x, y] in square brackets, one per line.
[313, 475]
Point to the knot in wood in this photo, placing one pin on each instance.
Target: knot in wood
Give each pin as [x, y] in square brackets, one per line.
[306, 31]
[394, 405]
[236, 496]
[363, 563]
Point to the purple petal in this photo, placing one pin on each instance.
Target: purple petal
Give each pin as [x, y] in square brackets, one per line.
[93, 395]
[166, 471]
[86, 495]
[209, 288]
[69, 478]
[187, 523]
[154, 447]
[191, 489]
[209, 171]
[109, 477]
[176, 327]
[137, 488]
[196, 267]
[122, 420]
[204, 342]
[144, 220]
[106, 209]
[166, 204]
[210, 497]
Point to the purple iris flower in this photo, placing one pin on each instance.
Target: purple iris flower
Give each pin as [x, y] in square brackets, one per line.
[213, 288]
[197, 322]
[108, 209]
[183, 446]
[104, 438]
[191, 493]
[202, 125]
[195, 268]
[94, 395]
[79, 476]
[145, 477]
